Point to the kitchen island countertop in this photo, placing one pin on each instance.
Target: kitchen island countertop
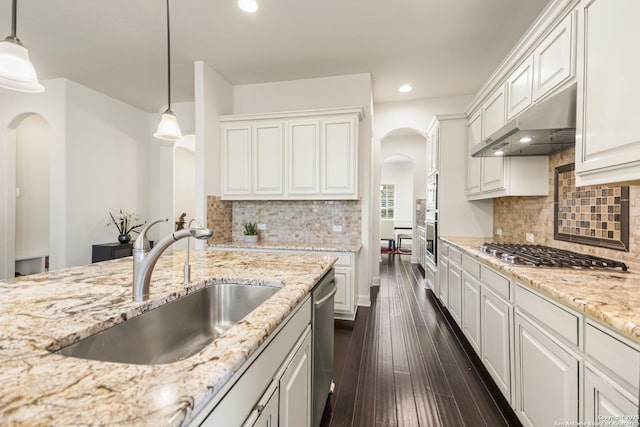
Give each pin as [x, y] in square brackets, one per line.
[611, 296]
[290, 246]
[50, 310]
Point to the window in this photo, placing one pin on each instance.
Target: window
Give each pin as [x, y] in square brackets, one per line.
[387, 201]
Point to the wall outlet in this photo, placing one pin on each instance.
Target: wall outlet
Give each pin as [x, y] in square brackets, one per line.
[498, 231]
[337, 228]
[529, 237]
[262, 227]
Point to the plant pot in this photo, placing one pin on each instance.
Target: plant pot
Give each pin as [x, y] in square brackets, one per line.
[251, 238]
[124, 238]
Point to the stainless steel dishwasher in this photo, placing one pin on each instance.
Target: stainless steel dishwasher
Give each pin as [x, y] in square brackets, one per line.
[322, 332]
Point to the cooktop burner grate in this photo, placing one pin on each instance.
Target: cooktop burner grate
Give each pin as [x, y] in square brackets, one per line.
[545, 256]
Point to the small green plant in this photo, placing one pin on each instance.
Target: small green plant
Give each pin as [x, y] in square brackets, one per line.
[250, 229]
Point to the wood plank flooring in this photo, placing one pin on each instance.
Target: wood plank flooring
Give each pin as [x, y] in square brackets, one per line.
[400, 363]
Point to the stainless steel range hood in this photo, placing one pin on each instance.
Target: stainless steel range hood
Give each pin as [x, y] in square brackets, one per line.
[545, 128]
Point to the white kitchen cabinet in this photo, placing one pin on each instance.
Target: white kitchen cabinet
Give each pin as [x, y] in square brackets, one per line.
[554, 58]
[242, 401]
[345, 299]
[520, 89]
[236, 159]
[295, 389]
[303, 160]
[430, 274]
[496, 320]
[605, 401]
[474, 164]
[455, 291]
[443, 279]
[493, 112]
[433, 141]
[422, 246]
[268, 153]
[266, 412]
[607, 135]
[302, 155]
[339, 142]
[546, 378]
[471, 311]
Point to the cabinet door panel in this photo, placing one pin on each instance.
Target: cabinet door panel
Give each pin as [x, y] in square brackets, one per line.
[493, 173]
[607, 135]
[553, 59]
[455, 293]
[519, 89]
[339, 156]
[268, 150]
[236, 160]
[603, 402]
[304, 157]
[496, 333]
[269, 415]
[344, 295]
[295, 389]
[474, 137]
[547, 378]
[493, 113]
[443, 280]
[471, 311]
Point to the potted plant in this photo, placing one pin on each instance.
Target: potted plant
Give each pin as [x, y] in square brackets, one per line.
[124, 222]
[250, 232]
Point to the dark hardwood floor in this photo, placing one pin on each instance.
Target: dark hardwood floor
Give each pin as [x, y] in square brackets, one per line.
[400, 363]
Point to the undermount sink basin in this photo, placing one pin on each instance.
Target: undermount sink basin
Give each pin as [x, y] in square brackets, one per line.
[173, 331]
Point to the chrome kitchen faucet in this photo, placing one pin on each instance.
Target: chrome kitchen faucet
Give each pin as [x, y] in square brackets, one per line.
[144, 258]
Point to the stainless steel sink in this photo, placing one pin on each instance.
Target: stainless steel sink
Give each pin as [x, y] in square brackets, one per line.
[176, 330]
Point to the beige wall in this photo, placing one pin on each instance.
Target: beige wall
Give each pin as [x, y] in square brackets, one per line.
[520, 215]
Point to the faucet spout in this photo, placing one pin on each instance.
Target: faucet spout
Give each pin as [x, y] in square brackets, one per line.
[144, 262]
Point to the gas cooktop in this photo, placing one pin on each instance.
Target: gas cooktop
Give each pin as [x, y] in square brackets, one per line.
[545, 256]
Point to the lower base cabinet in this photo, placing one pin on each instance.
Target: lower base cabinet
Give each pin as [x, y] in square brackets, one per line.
[275, 388]
[605, 403]
[471, 311]
[496, 327]
[455, 292]
[546, 378]
[442, 288]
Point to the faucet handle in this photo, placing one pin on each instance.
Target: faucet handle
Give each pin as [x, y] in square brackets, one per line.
[142, 243]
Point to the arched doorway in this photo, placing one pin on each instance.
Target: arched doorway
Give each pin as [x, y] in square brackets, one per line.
[28, 201]
[403, 165]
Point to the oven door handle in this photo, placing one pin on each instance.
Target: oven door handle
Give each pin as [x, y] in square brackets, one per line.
[327, 297]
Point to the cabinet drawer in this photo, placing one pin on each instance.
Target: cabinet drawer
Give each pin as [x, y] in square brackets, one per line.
[471, 266]
[613, 354]
[444, 248]
[455, 256]
[344, 260]
[498, 283]
[559, 320]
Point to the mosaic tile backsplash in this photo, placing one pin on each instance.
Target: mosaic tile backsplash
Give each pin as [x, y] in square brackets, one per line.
[420, 212]
[304, 221]
[517, 216]
[593, 215]
[219, 219]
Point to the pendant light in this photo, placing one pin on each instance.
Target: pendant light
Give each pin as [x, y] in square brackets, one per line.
[168, 128]
[16, 71]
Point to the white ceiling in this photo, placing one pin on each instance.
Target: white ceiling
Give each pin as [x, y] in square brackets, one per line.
[118, 47]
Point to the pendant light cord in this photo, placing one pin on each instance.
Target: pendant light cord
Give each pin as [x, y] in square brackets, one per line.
[14, 19]
[168, 58]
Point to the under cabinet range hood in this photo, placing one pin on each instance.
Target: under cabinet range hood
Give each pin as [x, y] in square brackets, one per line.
[545, 128]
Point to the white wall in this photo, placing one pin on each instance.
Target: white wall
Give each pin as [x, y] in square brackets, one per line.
[33, 142]
[15, 107]
[107, 167]
[400, 174]
[337, 91]
[184, 182]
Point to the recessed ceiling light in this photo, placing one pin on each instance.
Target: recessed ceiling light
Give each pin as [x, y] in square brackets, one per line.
[525, 139]
[249, 6]
[405, 88]
[498, 153]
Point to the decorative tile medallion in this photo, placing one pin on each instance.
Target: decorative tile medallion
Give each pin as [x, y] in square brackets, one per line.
[596, 215]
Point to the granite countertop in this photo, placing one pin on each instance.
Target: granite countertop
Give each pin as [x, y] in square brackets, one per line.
[610, 296]
[291, 246]
[53, 309]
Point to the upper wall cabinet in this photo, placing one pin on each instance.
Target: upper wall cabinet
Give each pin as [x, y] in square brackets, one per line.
[607, 134]
[554, 60]
[294, 156]
[519, 89]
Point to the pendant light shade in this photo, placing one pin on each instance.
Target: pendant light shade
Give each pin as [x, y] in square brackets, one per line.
[168, 129]
[16, 71]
